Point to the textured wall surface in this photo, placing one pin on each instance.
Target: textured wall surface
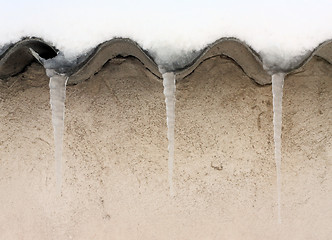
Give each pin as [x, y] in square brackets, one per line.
[115, 154]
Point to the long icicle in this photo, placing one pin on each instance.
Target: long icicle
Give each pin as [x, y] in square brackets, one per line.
[169, 92]
[57, 100]
[277, 90]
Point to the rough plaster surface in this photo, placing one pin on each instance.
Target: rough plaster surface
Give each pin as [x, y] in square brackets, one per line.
[115, 154]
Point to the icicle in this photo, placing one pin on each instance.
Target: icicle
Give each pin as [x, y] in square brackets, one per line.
[57, 100]
[169, 92]
[277, 90]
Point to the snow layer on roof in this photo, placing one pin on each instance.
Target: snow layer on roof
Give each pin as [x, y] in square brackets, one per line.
[173, 31]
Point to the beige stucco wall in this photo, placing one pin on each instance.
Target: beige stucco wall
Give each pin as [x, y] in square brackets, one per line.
[115, 155]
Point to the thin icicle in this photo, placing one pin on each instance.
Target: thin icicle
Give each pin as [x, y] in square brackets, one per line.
[277, 90]
[169, 92]
[57, 100]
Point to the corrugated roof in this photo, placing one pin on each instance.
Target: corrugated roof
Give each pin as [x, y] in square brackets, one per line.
[17, 56]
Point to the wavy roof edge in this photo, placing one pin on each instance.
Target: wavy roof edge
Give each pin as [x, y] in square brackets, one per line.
[18, 55]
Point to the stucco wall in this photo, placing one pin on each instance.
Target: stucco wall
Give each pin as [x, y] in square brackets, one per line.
[115, 154]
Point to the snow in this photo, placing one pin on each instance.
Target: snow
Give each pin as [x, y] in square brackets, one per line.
[281, 31]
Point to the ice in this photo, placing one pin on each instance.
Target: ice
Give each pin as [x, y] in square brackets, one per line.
[57, 100]
[277, 90]
[57, 86]
[169, 92]
[274, 61]
[171, 60]
[60, 64]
